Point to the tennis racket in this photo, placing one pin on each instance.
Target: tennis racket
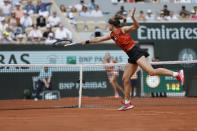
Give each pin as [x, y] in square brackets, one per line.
[63, 43]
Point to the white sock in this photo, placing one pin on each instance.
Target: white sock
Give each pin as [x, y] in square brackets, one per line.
[175, 74]
[127, 101]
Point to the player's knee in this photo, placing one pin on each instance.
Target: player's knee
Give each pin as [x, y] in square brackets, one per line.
[125, 80]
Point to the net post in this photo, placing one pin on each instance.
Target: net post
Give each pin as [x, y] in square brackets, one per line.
[80, 85]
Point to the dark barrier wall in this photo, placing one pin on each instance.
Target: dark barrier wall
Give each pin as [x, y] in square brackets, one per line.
[14, 84]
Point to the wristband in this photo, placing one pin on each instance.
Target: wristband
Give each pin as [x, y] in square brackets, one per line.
[87, 41]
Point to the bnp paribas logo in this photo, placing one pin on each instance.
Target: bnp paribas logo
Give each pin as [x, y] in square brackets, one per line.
[71, 60]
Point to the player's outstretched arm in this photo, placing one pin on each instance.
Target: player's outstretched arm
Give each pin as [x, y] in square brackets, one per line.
[133, 27]
[97, 39]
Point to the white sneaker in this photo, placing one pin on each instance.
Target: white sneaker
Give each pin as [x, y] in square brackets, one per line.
[126, 107]
[181, 77]
[129, 107]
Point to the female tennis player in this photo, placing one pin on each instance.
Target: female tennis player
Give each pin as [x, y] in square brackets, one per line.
[112, 74]
[137, 57]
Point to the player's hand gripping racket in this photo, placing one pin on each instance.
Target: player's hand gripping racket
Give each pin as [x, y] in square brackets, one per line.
[63, 43]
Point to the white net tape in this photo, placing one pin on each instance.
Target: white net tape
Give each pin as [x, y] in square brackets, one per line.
[93, 65]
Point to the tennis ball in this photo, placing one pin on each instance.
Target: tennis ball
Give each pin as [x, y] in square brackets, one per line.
[27, 92]
[7, 34]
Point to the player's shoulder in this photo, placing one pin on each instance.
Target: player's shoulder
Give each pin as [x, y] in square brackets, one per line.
[122, 30]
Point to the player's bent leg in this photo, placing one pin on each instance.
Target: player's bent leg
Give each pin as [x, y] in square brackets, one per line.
[147, 67]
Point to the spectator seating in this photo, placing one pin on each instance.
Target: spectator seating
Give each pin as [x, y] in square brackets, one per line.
[28, 29]
[90, 26]
[24, 3]
[80, 26]
[102, 25]
[43, 29]
[54, 29]
[34, 18]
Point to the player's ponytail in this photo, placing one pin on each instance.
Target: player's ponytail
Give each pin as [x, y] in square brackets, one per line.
[118, 17]
[115, 21]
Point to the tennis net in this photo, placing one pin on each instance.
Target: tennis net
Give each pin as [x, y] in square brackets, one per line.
[23, 87]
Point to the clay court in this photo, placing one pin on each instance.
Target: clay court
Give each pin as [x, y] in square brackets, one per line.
[165, 114]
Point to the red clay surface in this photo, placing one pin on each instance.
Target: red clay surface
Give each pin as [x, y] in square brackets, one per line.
[158, 114]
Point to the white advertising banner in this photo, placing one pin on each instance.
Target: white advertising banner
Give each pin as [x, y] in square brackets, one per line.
[60, 57]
